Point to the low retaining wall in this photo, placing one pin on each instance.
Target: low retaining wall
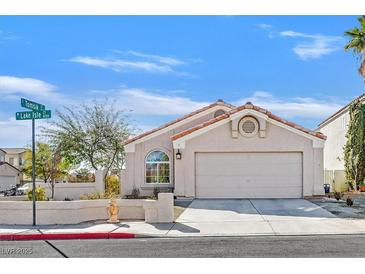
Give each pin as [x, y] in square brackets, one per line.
[70, 190]
[74, 212]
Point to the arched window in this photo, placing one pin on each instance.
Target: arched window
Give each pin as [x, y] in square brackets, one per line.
[157, 168]
[219, 112]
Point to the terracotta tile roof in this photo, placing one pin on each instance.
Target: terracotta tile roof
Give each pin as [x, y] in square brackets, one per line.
[324, 122]
[217, 103]
[11, 150]
[247, 106]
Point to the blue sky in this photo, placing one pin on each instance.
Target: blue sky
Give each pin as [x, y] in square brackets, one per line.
[162, 67]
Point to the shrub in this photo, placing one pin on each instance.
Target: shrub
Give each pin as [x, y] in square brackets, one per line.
[349, 201]
[112, 186]
[68, 199]
[337, 195]
[93, 196]
[135, 192]
[40, 194]
[155, 192]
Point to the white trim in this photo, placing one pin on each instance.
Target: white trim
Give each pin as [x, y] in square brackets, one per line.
[339, 113]
[130, 147]
[244, 112]
[180, 143]
[158, 162]
[318, 144]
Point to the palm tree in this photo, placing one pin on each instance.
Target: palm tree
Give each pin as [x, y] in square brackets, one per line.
[357, 43]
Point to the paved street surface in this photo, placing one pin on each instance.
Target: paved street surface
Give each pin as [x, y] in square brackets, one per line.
[261, 246]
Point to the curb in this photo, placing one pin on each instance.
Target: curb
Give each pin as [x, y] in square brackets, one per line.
[65, 236]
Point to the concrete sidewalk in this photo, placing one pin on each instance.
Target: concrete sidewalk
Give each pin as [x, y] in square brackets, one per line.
[142, 229]
[245, 217]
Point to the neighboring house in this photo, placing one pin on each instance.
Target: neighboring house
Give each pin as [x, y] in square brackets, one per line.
[335, 128]
[222, 151]
[11, 164]
[2, 155]
[13, 156]
[9, 176]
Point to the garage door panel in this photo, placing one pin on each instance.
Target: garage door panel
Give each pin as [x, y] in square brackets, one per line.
[7, 181]
[249, 175]
[252, 193]
[246, 182]
[247, 170]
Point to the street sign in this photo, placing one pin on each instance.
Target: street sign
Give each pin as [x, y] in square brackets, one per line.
[38, 112]
[29, 115]
[31, 105]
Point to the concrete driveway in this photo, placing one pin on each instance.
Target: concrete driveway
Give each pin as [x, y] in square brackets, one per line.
[260, 216]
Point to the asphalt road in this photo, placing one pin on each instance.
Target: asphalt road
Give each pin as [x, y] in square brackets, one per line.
[262, 246]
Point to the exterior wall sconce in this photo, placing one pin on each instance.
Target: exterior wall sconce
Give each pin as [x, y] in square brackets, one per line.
[178, 155]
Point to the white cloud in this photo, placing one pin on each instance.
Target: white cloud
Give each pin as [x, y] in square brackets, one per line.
[120, 65]
[161, 59]
[264, 26]
[309, 46]
[12, 88]
[297, 107]
[313, 46]
[29, 86]
[7, 36]
[146, 62]
[17, 133]
[143, 102]
[148, 103]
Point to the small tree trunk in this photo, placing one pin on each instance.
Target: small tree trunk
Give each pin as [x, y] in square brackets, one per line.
[52, 188]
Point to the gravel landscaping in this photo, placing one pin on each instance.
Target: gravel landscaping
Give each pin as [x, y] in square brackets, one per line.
[180, 206]
[340, 208]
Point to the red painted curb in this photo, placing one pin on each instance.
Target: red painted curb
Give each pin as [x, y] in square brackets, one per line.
[6, 237]
[65, 236]
[118, 235]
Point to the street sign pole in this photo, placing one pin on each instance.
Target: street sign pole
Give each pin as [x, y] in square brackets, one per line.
[33, 172]
[37, 111]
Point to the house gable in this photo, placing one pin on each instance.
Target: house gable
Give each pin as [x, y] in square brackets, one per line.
[340, 112]
[178, 123]
[235, 115]
[7, 165]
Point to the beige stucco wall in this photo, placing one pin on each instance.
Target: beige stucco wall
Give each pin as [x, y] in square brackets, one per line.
[134, 175]
[2, 156]
[16, 157]
[6, 170]
[74, 212]
[336, 139]
[333, 151]
[69, 190]
[277, 139]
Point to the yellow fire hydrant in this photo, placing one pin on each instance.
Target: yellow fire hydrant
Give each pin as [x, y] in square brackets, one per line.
[113, 211]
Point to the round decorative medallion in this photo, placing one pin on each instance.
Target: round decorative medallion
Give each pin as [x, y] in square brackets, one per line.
[248, 126]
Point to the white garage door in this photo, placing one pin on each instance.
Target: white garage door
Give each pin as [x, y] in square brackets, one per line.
[7, 181]
[248, 175]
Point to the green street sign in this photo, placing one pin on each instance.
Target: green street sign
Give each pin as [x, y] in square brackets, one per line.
[31, 105]
[29, 115]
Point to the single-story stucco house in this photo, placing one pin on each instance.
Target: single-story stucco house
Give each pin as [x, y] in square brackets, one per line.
[9, 176]
[335, 128]
[223, 151]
